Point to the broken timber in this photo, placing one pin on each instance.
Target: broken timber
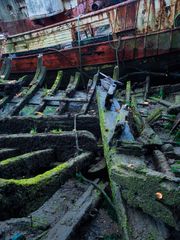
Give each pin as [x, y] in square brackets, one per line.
[66, 227]
[35, 84]
[51, 92]
[69, 92]
[135, 186]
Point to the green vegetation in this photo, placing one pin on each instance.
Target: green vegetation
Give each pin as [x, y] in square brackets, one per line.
[45, 91]
[33, 131]
[56, 131]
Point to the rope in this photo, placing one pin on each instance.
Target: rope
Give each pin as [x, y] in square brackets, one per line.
[79, 47]
[115, 47]
[79, 175]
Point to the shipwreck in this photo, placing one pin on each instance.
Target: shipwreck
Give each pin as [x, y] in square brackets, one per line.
[89, 119]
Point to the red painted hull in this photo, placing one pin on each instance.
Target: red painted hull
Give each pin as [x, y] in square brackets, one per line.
[132, 48]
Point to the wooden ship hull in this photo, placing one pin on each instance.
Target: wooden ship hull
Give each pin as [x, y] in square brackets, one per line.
[50, 129]
[130, 32]
[144, 181]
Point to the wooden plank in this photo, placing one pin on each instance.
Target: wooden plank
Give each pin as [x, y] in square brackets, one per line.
[65, 228]
[128, 93]
[12, 86]
[57, 83]
[73, 84]
[116, 73]
[70, 90]
[25, 124]
[15, 88]
[52, 91]
[90, 95]
[147, 87]
[34, 87]
[7, 153]
[162, 162]
[38, 70]
[61, 99]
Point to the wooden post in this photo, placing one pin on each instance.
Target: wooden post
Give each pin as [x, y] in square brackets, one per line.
[90, 95]
[162, 163]
[128, 93]
[35, 84]
[147, 87]
[116, 73]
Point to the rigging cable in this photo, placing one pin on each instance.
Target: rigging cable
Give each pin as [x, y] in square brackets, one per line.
[79, 47]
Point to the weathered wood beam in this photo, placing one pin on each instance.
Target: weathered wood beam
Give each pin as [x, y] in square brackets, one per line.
[171, 88]
[20, 124]
[65, 99]
[12, 86]
[64, 142]
[51, 92]
[73, 84]
[7, 153]
[116, 73]
[90, 95]
[26, 165]
[147, 87]
[31, 92]
[128, 93]
[154, 115]
[4, 101]
[176, 124]
[138, 123]
[146, 189]
[70, 222]
[69, 92]
[162, 163]
[26, 195]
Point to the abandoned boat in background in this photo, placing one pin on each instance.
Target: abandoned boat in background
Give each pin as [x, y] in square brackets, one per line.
[136, 32]
[17, 16]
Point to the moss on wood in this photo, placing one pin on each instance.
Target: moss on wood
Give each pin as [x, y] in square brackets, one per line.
[20, 197]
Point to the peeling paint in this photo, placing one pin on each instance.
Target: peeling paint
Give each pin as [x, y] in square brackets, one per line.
[138, 17]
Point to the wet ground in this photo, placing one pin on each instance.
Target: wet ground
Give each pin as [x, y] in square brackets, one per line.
[102, 226]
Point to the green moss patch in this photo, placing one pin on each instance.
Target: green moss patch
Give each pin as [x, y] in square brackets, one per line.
[27, 165]
[139, 189]
[20, 197]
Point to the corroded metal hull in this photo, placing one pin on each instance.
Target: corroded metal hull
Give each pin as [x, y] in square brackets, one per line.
[133, 49]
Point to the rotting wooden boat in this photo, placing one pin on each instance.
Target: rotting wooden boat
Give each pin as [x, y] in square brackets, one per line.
[30, 96]
[47, 134]
[140, 132]
[136, 32]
